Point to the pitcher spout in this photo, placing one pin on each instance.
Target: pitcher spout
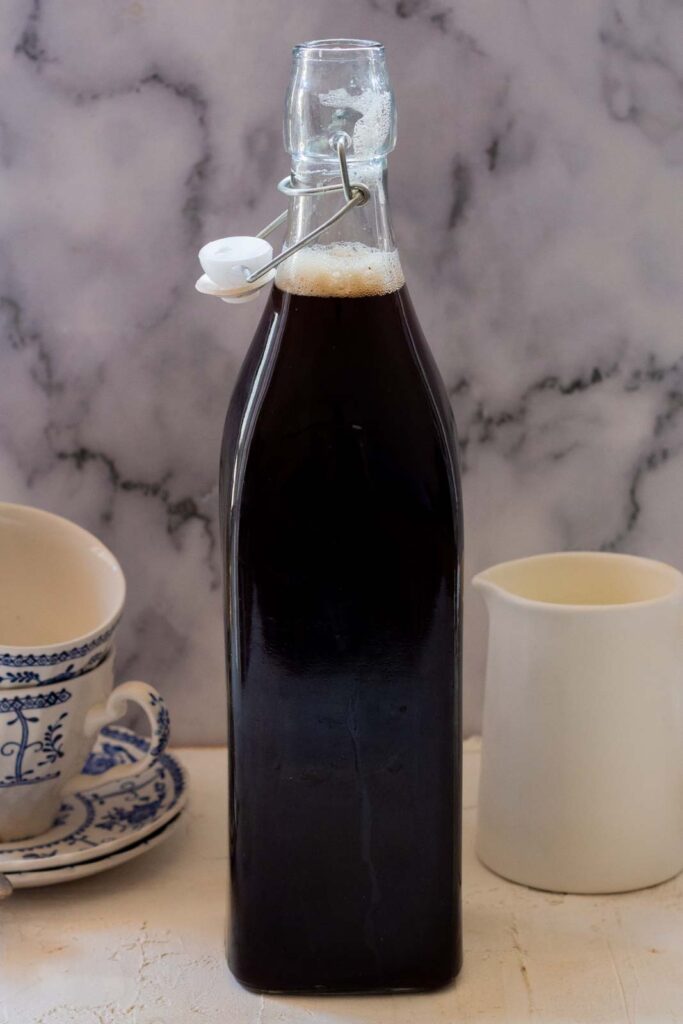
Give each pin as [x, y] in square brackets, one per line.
[562, 582]
[486, 585]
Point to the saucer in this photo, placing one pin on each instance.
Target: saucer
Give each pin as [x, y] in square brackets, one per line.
[54, 876]
[96, 823]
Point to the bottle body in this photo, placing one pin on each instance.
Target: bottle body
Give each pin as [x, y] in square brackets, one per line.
[341, 518]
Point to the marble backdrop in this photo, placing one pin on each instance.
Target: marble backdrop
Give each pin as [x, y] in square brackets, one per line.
[537, 188]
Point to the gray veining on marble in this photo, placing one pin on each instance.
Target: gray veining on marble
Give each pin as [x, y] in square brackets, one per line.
[537, 195]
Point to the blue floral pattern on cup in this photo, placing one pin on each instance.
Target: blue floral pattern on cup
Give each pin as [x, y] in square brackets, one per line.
[43, 669]
[45, 734]
[30, 735]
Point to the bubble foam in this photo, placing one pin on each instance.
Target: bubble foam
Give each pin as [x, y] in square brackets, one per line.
[374, 125]
[347, 270]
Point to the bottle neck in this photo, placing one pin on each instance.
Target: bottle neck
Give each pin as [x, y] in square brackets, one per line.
[369, 224]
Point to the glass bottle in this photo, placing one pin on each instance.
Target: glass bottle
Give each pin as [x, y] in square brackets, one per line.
[342, 531]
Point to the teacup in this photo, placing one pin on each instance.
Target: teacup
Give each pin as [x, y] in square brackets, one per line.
[61, 596]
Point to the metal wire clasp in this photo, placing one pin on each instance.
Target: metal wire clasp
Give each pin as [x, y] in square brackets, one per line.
[233, 267]
[355, 193]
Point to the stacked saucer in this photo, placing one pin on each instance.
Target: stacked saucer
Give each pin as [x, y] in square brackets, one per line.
[101, 828]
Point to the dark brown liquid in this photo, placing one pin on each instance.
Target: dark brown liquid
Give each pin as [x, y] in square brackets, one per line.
[342, 529]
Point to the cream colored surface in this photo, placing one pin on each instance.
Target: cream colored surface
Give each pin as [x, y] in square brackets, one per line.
[144, 944]
[582, 777]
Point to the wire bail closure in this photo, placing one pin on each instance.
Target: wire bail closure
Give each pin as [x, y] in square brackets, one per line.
[228, 263]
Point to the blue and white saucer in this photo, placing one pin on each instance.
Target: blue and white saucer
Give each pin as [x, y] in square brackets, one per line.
[95, 827]
[104, 862]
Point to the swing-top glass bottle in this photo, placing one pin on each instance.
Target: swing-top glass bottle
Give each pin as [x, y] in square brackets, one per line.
[342, 530]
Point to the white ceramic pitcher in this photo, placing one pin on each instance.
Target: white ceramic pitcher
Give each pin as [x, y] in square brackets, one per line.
[582, 773]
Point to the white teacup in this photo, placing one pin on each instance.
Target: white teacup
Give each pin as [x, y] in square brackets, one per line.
[61, 596]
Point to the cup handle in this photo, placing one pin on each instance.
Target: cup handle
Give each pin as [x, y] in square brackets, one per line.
[154, 706]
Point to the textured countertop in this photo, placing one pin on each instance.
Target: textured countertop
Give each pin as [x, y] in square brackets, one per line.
[143, 944]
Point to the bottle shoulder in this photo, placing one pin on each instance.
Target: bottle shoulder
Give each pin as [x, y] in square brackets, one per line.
[329, 373]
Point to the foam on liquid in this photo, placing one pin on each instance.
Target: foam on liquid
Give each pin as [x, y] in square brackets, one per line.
[347, 270]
